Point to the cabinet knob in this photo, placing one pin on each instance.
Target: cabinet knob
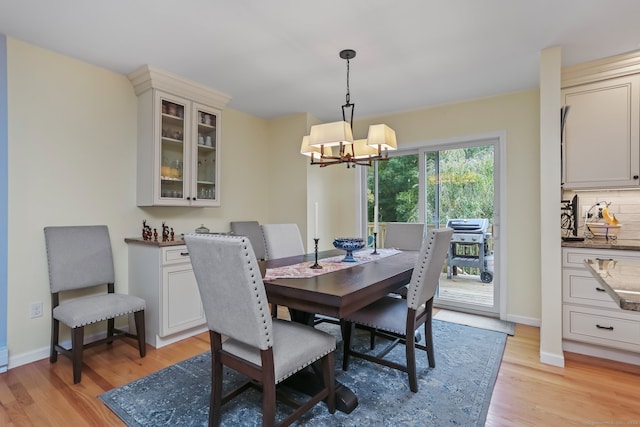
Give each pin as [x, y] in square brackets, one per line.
[635, 177]
[184, 253]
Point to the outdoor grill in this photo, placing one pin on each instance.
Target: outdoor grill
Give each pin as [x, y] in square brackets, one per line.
[470, 247]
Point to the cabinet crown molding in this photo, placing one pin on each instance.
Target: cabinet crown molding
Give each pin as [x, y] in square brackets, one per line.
[148, 77]
[601, 69]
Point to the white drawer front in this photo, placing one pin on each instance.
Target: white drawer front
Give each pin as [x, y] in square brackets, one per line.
[175, 255]
[580, 287]
[574, 257]
[601, 327]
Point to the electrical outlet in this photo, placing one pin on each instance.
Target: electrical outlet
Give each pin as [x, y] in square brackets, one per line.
[35, 310]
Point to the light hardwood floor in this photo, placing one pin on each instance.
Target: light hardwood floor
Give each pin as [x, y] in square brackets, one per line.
[587, 392]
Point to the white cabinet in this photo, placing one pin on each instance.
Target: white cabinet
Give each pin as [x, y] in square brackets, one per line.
[590, 316]
[601, 144]
[163, 277]
[179, 141]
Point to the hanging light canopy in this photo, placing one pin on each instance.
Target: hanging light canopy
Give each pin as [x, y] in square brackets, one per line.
[322, 138]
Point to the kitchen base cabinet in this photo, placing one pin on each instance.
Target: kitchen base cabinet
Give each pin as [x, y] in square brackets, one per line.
[592, 323]
[164, 278]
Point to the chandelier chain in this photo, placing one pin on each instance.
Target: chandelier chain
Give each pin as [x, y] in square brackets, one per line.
[348, 95]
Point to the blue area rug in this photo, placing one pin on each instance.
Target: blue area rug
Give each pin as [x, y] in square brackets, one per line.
[456, 392]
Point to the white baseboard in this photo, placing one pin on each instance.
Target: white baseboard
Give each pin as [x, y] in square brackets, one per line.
[29, 357]
[43, 352]
[552, 359]
[530, 321]
[4, 359]
[601, 352]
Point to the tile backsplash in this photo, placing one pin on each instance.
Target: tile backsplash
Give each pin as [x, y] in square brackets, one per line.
[625, 204]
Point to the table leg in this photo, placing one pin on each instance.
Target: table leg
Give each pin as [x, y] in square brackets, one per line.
[309, 381]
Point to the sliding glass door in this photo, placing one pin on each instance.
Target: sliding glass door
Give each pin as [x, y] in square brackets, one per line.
[434, 186]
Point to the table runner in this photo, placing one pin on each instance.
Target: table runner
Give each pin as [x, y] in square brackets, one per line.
[329, 265]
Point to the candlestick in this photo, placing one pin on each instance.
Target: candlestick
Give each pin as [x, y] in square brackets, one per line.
[375, 244]
[375, 218]
[315, 234]
[316, 265]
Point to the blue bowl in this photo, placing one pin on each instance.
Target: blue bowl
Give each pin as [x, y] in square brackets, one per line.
[349, 244]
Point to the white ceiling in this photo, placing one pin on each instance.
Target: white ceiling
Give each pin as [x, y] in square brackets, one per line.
[277, 57]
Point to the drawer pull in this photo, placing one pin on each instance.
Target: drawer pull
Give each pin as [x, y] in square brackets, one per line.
[608, 328]
[604, 259]
[184, 253]
[600, 290]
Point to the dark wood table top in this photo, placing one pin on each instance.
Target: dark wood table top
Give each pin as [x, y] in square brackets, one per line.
[341, 292]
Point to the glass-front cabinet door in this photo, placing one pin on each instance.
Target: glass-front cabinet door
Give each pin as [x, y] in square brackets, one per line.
[174, 152]
[205, 156]
[179, 140]
[189, 142]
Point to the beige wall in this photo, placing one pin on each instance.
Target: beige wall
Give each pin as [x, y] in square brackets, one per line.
[72, 148]
[72, 160]
[518, 115]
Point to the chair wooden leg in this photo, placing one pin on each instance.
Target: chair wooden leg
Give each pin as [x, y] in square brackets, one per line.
[329, 381]
[268, 389]
[111, 325]
[77, 346]
[347, 330]
[55, 334]
[410, 348]
[215, 402]
[428, 336]
[140, 332]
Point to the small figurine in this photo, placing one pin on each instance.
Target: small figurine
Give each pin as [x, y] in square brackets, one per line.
[146, 231]
[172, 235]
[165, 233]
[155, 235]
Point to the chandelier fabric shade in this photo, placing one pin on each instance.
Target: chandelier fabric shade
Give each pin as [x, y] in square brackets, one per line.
[331, 134]
[309, 150]
[361, 149]
[318, 144]
[382, 137]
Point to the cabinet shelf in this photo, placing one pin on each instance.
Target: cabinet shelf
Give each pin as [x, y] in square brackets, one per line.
[172, 140]
[167, 178]
[172, 118]
[206, 147]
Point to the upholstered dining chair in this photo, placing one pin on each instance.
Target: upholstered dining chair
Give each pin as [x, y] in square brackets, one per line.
[80, 257]
[264, 349]
[398, 318]
[282, 240]
[406, 236]
[253, 231]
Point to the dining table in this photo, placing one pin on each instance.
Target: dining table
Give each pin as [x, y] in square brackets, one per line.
[335, 294]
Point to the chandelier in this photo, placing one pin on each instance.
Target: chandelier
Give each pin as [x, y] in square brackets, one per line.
[333, 143]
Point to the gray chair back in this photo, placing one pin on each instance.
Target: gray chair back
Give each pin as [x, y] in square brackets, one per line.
[406, 236]
[282, 240]
[78, 257]
[426, 273]
[233, 295]
[252, 231]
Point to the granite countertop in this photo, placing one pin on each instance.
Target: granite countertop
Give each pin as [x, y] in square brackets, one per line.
[159, 243]
[621, 280]
[602, 243]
